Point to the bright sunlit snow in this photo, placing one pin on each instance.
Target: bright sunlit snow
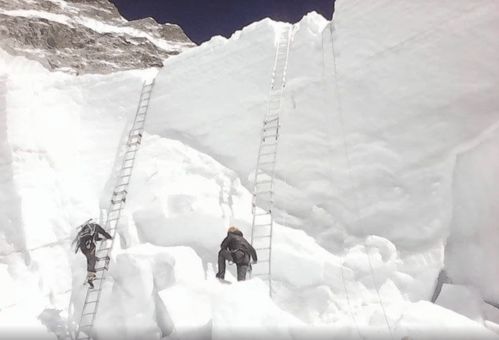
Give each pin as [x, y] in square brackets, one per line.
[386, 174]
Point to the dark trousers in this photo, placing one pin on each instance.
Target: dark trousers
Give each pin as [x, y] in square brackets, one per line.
[238, 257]
[91, 259]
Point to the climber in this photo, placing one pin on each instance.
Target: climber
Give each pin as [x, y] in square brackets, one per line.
[85, 240]
[235, 248]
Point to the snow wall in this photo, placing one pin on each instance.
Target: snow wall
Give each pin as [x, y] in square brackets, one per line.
[368, 184]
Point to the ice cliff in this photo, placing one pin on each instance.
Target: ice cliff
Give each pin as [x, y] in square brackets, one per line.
[385, 177]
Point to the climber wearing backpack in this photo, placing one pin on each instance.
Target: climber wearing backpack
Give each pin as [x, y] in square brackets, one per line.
[85, 240]
[235, 248]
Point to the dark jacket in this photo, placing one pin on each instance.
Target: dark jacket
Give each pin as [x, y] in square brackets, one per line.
[235, 241]
[87, 242]
[100, 231]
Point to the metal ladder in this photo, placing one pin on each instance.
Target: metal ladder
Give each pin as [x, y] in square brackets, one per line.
[116, 206]
[262, 225]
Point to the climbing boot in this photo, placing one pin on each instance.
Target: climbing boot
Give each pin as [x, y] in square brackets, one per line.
[90, 279]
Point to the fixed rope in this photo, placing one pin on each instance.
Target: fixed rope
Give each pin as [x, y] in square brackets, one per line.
[116, 206]
[350, 175]
[326, 42]
[263, 185]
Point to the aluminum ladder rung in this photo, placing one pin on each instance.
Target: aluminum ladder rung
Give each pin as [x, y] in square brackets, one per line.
[134, 139]
[263, 199]
[270, 133]
[263, 182]
[270, 120]
[266, 193]
[268, 144]
[117, 204]
[265, 154]
[262, 225]
[84, 314]
[133, 144]
[270, 128]
[263, 261]
[85, 326]
[265, 163]
[268, 151]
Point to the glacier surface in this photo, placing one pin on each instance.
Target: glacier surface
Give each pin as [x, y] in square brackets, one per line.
[385, 176]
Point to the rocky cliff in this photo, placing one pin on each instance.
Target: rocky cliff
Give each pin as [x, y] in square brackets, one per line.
[85, 36]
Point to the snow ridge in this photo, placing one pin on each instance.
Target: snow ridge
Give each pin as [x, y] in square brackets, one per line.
[403, 200]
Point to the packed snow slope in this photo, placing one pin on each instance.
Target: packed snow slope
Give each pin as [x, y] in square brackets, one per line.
[387, 142]
[373, 116]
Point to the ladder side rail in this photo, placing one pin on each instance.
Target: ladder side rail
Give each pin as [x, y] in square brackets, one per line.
[111, 246]
[148, 96]
[272, 114]
[111, 224]
[280, 90]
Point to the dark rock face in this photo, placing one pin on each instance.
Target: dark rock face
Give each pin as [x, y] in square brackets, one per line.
[86, 36]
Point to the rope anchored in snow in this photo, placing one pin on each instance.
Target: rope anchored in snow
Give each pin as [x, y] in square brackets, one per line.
[116, 206]
[262, 225]
[357, 208]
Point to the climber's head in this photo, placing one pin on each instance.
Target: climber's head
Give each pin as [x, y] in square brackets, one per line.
[233, 229]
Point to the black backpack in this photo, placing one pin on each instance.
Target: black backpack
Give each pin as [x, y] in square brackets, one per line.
[85, 237]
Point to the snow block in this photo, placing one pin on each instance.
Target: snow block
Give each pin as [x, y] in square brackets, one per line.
[424, 320]
[463, 300]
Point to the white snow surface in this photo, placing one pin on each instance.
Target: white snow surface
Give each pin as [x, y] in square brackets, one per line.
[387, 153]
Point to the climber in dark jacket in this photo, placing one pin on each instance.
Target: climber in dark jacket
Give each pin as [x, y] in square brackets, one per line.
[85, 241]
[236, 249]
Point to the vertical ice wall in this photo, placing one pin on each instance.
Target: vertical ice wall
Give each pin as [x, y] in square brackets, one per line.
[368, 147]
[472, 252]
[59, 135]
[414, 88]
[10, 218]
[411, 90]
